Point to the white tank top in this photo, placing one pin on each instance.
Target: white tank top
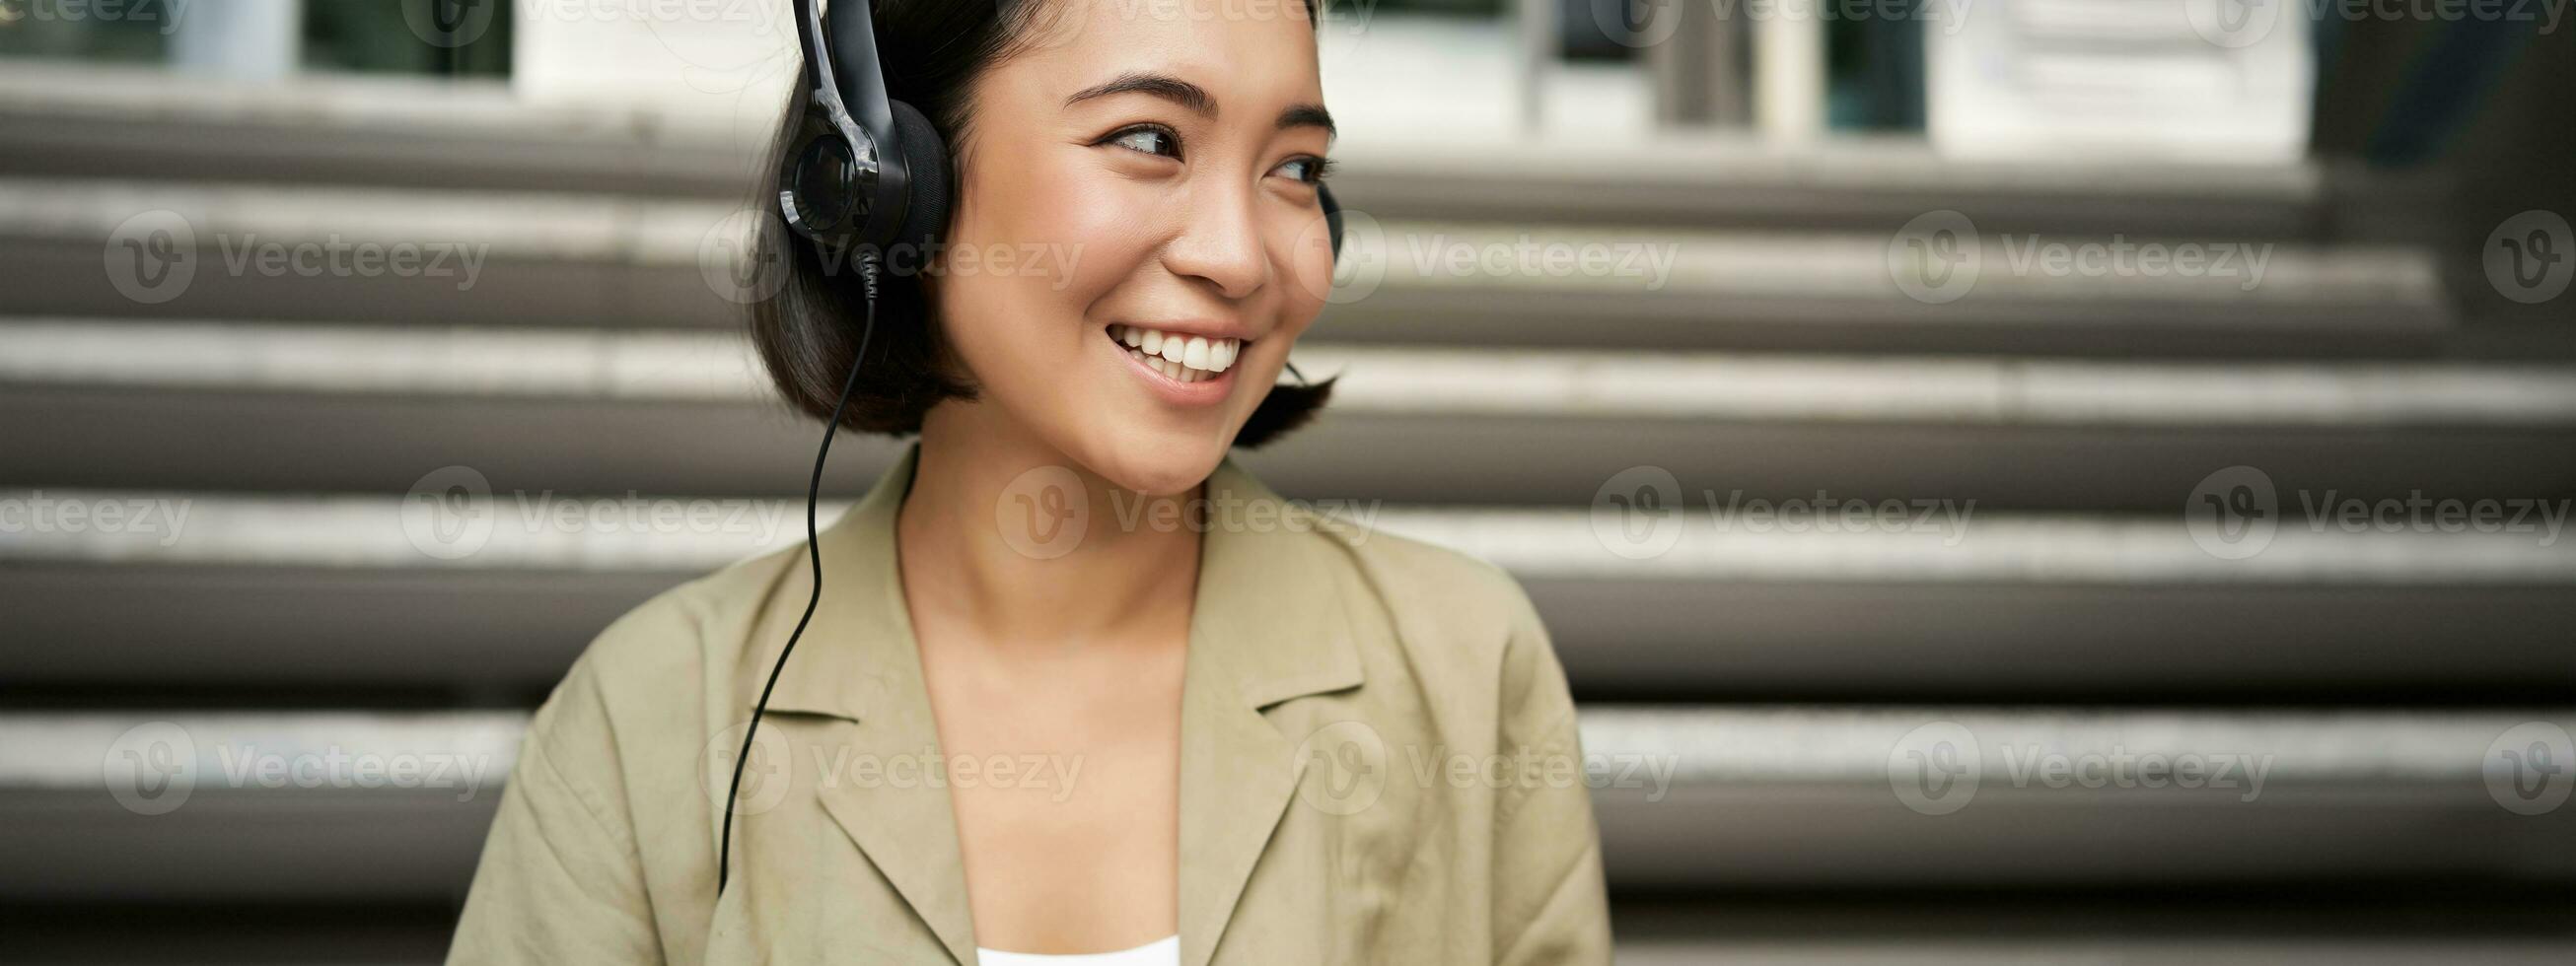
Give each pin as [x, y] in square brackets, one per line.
[1161, 952]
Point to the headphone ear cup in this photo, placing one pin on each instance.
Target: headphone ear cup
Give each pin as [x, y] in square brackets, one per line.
[1332, 218]
[925, 157]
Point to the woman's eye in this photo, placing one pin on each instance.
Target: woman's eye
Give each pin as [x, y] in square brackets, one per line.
[1308, 169]
[1149, 140]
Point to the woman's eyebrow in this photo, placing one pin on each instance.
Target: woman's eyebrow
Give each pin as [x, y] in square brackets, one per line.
[1196, 99]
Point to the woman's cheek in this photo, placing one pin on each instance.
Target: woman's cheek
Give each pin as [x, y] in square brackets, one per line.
[1107, 232]
[1309, 267]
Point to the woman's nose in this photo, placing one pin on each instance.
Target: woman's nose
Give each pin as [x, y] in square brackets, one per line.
[1221, 242]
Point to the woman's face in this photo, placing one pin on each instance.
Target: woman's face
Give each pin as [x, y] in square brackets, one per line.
[1141, 173]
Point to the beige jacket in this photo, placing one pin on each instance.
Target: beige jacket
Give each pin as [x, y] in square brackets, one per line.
[1379, 764]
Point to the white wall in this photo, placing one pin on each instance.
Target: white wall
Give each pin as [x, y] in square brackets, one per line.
[705, 59]
[2215, 80]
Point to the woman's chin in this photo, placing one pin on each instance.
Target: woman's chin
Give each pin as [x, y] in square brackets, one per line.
[1158, 465]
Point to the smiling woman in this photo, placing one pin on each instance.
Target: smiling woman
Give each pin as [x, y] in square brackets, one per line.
[988, 77]
[1232, 711]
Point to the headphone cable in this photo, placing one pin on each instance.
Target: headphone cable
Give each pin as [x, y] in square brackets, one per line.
[866, 263]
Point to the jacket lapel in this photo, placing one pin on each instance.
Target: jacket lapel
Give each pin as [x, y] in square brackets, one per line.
[1266, 626]
[858, 663]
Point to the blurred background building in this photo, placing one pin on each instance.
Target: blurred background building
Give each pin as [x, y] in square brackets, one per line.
[2010, 480]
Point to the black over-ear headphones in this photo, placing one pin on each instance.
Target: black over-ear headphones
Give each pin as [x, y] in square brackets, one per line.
[865, 174]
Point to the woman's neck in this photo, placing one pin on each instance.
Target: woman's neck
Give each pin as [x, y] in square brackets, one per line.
[990, 537]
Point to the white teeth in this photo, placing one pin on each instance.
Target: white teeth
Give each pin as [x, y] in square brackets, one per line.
[1188, 358]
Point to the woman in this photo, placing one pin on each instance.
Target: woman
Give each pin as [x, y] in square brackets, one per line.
[1079, 683]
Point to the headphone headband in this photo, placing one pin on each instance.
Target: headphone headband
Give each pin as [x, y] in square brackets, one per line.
[846, 183]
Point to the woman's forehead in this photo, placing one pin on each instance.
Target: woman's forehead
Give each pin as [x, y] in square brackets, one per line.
[1255, 49]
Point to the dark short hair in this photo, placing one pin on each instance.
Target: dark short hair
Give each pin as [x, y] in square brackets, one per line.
[933, 50]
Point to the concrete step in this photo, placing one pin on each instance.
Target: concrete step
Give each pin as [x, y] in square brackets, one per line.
[501, 589]
[2318, 923]
[396, 255]
[62, 121]
[185, 806]
[354, 408]
[2326, 924]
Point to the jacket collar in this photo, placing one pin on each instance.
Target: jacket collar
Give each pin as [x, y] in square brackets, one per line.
[1267, 625]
